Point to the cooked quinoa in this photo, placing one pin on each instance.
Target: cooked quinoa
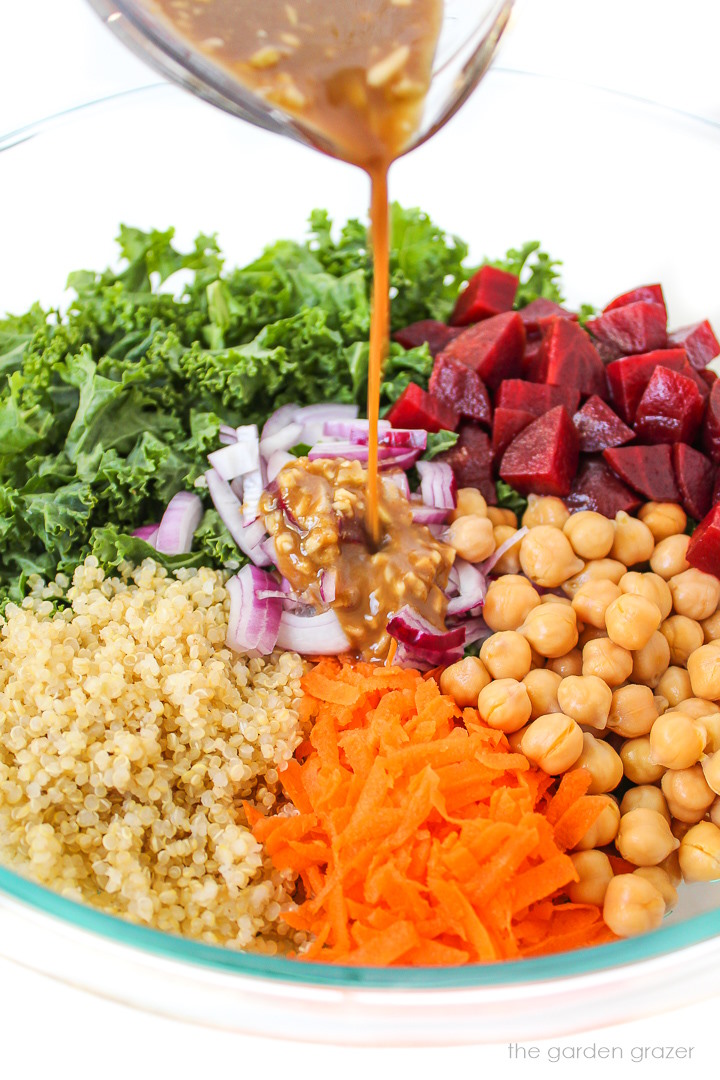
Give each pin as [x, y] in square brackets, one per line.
[129, 735]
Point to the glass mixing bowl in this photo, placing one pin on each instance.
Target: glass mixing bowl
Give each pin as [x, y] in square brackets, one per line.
[623, 192]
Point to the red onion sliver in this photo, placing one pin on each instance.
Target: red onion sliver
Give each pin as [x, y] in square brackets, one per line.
[437, 484]
[179, 522]
[268, 548]
[253, 487]
[400, 481]
[511, 541]
[279, 419]
[402, 459]
[476, 630]
[249, 539]
[348, 429]
[277, 461]
[312, 635]
[472, 588]
[235, 460]
[227, 435]
[146, 533]
[428, 515]
[283, 439]
[400, 438]
[253, 623]
[409, 626]
[328, 585]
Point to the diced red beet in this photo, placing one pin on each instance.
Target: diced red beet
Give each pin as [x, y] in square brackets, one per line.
[544, 457]
[628, 377]
[415, 408]
[488, 292]
[711, 425]
[569, 358]
[596, 487]
[494, 348]
[471, 461]
[697, 377]
[716, 489]
[653, 294]
[599, 427]
[634, 328]
[461, 389]
[538, 311]
[670, 410]
[532, 360]
[698, 341]
[708, 376]
[704, 548]
[435, 334]
[536, 398]
[647, 469]
[694, 476]
[507, 423]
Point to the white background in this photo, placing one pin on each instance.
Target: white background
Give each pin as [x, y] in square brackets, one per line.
[54, 54]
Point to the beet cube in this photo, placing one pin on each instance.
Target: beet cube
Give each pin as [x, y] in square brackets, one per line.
[716, 489]
[461, 389]
[471, 461]
[634, 328]
[599, 427]
[532, 360]
[670, 410]
[698, 341]
[628, 377]
[704, 548]
[596, 487]
[569, 358]
[711, 426]
[544, 457]
[708, 376]
[415, 408]
[488, 292]
[428, 331]
[494, 348]
[536, 398]
[646, 469]
[507, 423]
[537, 313]
[694, 476]
[653, 294]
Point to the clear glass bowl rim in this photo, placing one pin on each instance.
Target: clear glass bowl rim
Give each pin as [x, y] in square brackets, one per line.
[581, 962]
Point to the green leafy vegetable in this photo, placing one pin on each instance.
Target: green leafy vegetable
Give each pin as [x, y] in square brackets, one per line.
[439, 441]
[538, 273]
[510, 499]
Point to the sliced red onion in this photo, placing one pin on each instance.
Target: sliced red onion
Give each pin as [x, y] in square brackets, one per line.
[401, 438]
[247, 433]
[288, 436]
[336, 449]
[277, 461]
[410, 627]
[472, 588]
[254, 622]
[403, 459]
[352, 430]
[237, 459]
[400, 481]
[328, 585]
[227, 435]
[408, 656]
[253, 488]
[511, 541]
[279, 419]
[476, 630]
[312, 635]
[437, 484]
[228, 506]
[179, 522]
[146, 533]
[268, 548]
[237, 485]
[428, 515]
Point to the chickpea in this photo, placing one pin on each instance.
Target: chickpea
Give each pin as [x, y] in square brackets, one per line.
[711, 628]
[688, 792]
[679, 828]
[605, 829]
[695, 594]
[472, 537]
[700, 852]
[551, 598]
[506, 655]
[685, 815]
[634, 543]
[646, 796]
[515, 739]
[595, 874]
[662, 881]
[508, 602]
[542, 686]
[608, 661]
[711, 771]
[631, 621]
[603, 764]
[592, 600]
[470, 502]
[499, 516]
[704, 670]
[663, 519]
[700, 708]
[644, 837]
[675, 685]
[651, 586]
[504, 705]
[651, 662]
[590, 633]
[464, 680]
[590, 534]
[553, 742]
[509, 561]
[586, 698]
[595, 570]
[711, 722]
[545, 510]
[671, 866]
[547, 557]
[637, 763]
[683, 635]
[569, 664]
[551, 629]
[715, 812]
[668, 558]
[661, 704]
[632, 906]
[676, 741]
[633, 711]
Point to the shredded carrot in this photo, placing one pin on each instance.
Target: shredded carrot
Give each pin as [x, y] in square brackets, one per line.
[419, 837]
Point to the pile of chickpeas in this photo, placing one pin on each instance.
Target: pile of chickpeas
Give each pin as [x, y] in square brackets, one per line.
[605, 654]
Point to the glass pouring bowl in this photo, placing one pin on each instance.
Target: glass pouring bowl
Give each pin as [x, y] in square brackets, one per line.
[616, 187]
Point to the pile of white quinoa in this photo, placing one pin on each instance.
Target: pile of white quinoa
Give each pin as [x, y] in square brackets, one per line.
[129, 736]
